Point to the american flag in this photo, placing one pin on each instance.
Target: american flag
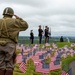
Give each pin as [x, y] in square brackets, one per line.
[67, 74]
[22, 67]
[47, 44]
[54, 45]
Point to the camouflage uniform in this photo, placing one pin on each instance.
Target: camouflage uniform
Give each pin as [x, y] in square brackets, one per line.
[9, 31]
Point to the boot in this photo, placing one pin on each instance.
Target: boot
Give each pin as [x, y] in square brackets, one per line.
[9, 72]
[2, 72]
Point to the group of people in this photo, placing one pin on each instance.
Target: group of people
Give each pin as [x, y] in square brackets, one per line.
[41, 33]
[9, 32]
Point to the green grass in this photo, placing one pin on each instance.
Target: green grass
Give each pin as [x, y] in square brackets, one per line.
[53, 52]
[62, 44]
[17, 73]
[56, 72]
[48, 60]
[18, 51]
[36, 73]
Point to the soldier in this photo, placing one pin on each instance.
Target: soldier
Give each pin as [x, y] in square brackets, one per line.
[9, 31]
[40, 31]
[61, 39]
[46, 34]
[31, 37]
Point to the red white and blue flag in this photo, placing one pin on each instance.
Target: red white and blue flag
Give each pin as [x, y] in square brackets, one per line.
[22, 67]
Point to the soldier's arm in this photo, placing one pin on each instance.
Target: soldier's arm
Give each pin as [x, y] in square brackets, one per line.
[20, 23]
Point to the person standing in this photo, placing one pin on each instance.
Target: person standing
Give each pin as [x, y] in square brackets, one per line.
[61, 39]
[31, 37]
[9, 32]
[46, 34]
[49, 34]
[40, 31]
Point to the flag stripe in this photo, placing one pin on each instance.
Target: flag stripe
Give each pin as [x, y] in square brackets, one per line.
[22, 67]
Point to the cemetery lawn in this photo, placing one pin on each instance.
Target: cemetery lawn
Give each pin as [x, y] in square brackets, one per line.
[31, 67]
[62, 44]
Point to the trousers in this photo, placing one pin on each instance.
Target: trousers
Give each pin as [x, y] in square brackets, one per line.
[6, 56]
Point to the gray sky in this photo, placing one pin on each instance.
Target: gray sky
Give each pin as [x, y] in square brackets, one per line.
[57, 14]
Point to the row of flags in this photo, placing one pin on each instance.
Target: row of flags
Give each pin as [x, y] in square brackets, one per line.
[22, 65]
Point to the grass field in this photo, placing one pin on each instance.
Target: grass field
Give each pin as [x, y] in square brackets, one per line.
[31, 68]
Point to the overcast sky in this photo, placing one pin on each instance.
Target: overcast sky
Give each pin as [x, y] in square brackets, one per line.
[59, 15]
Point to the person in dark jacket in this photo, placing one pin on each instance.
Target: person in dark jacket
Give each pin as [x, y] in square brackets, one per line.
[31, 37]
[61, 39]
[49, 35]
[46, 34]
[40, 31]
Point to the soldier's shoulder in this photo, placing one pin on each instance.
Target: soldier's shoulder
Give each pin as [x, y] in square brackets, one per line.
[10, 19]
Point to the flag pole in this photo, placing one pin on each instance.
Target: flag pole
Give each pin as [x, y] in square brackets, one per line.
[50, 32]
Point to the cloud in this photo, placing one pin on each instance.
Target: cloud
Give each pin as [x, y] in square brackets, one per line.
[57, 14]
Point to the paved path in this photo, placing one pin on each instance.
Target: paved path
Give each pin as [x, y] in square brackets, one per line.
[72, 66]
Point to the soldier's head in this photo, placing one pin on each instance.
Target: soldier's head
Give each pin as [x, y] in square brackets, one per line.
[39, 26]
[8, 12]
[31, 30]
[46, 26]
